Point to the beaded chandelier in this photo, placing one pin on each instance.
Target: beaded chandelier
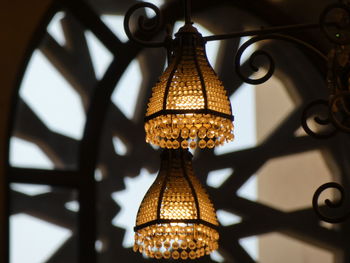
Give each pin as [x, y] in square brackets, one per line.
[189, 106]
[176, 218]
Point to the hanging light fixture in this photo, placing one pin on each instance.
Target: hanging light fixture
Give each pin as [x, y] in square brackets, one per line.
[189, 106]
[176, 218]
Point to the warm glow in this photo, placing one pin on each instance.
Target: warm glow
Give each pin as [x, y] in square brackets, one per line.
[176, 218]
[189, 106]
[175, 241]
[175, 131]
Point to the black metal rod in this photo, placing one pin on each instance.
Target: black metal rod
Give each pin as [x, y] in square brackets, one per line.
[200, 74]
[169, 221]
[262, 31]
[187, 7]
[165, 181]
[170, 78]
[189, 181]
[189, 111]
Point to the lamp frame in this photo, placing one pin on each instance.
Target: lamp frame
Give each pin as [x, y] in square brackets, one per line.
[182, 153]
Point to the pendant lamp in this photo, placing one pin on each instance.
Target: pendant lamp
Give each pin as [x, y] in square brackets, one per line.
[189, 106]
[176, 218]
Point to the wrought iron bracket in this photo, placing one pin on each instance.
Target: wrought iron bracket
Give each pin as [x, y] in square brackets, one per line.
[149, 27]
[154, 25]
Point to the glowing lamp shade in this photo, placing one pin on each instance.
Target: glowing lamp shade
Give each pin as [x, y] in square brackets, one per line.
[176, 218]
[189, 106]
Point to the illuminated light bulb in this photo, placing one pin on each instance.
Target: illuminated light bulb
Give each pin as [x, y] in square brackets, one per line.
[189, 102]
[176, 218]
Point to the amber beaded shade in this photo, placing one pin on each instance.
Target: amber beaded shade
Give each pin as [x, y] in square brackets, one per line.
[189, 106]
[176, 218]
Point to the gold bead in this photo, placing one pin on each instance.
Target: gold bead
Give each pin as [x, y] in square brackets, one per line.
[136, 247]
[176, 144]
[193, 132]
[192, 254]
[210, 144]
[202, 132]
[175, 133]
[202, 144]
[184, 133]
[175, 254]
[175, 245]
[147, 126]
[211, 133]
[193, 144]
[192, 245]
[167, 244]
[184, 255]
[162, 143]
[169, 144]
[158, 255]
[184, 144]
[166, 254]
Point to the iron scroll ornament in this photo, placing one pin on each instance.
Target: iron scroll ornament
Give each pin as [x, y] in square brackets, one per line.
[319, 120]
[262, 53]
[340, 203]
[152, 26]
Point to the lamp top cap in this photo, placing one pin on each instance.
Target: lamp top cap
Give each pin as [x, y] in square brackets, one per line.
[188, 28]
